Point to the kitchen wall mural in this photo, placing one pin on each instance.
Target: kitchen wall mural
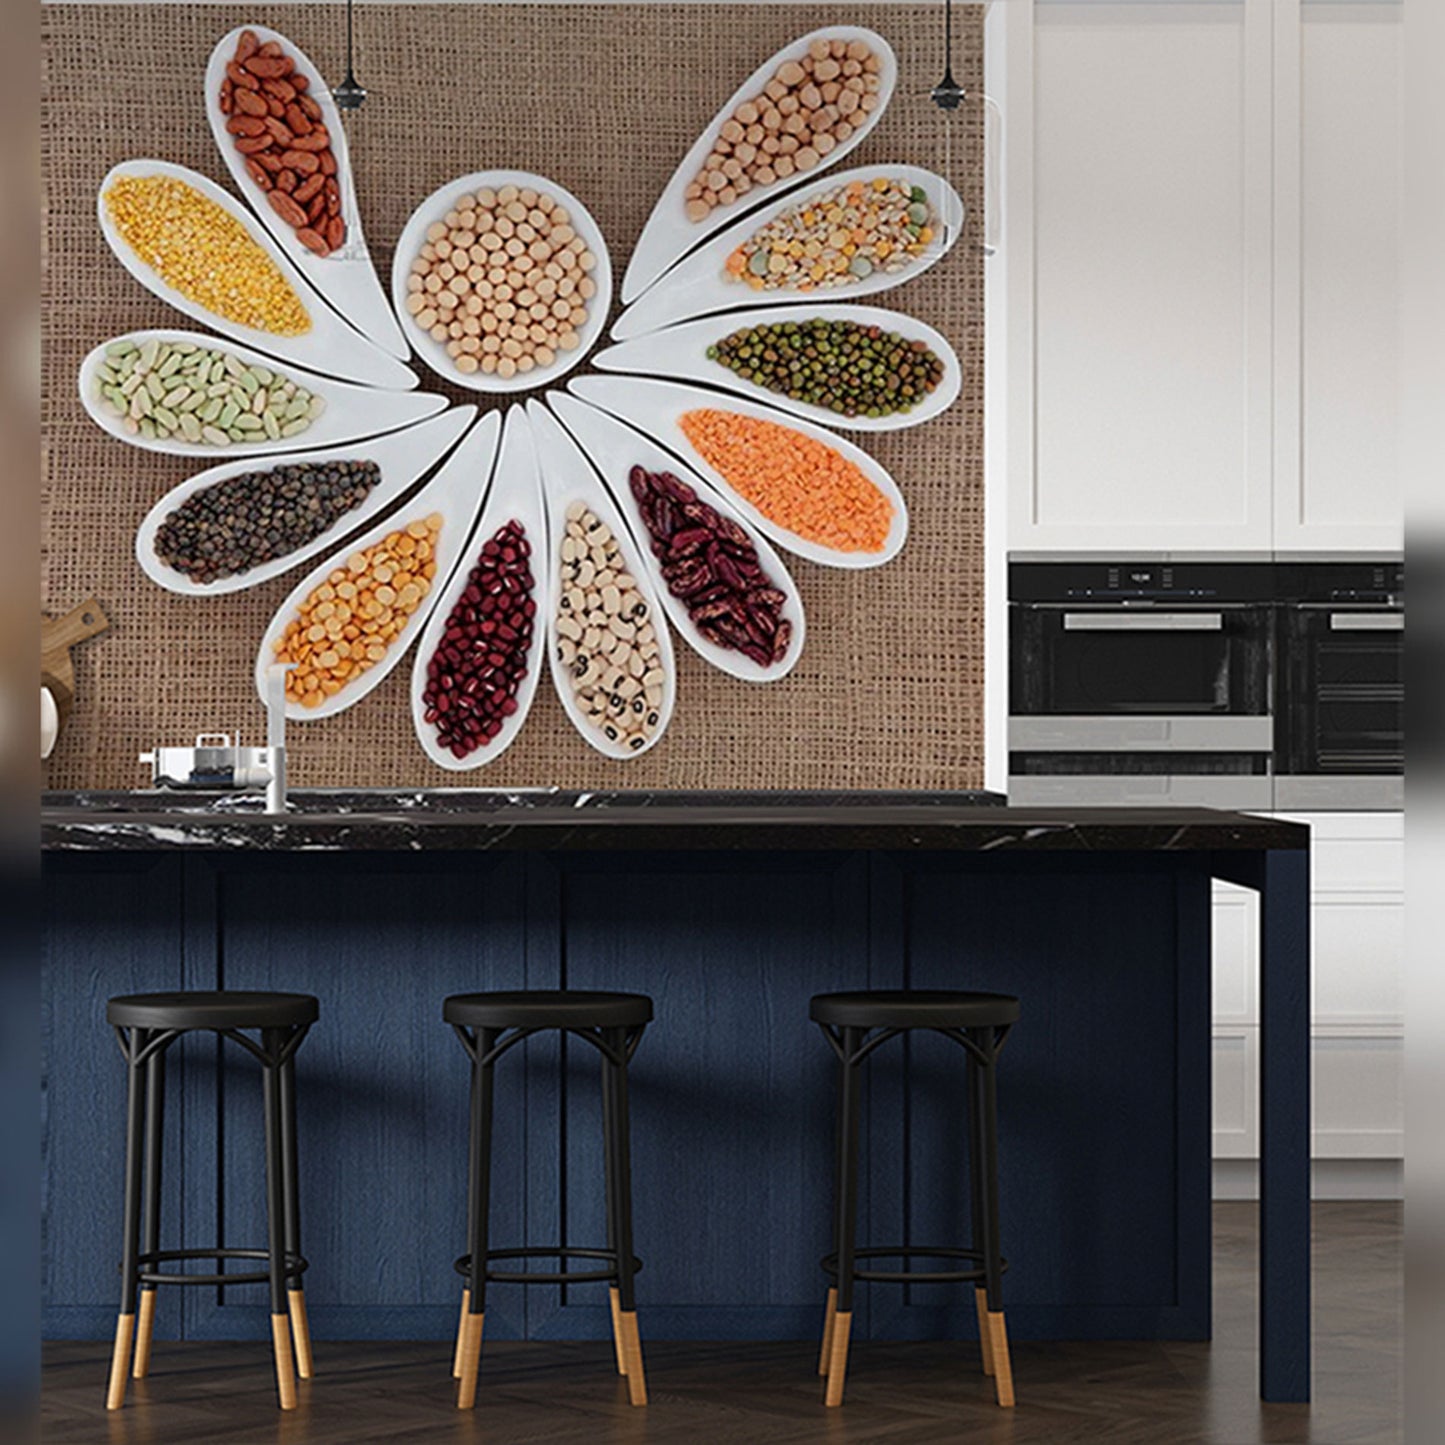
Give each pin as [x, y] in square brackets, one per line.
[598, 404]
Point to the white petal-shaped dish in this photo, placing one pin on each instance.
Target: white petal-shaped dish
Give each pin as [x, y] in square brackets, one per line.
[698, 285]
[346, 278]
[567, 477]
[654, 407]
[681, 352]
[614, 448]
[332, 347]
[457, 492]
[403, 456]
[515, 495]
[413, 237]
[669, 234]
[351, 411]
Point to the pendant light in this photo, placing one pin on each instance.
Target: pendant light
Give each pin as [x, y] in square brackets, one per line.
[949, 96]
[349, 95]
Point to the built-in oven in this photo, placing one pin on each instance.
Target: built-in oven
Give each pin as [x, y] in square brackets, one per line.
[1340, 716]
[1140, 683]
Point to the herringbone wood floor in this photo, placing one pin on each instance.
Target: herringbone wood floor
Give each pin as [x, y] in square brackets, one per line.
[732, 1394]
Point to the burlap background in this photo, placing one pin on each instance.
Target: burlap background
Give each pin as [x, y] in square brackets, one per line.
[605, 98]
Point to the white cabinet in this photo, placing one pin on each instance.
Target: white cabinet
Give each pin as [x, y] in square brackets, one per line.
[1200, 224]
[1357, 1010]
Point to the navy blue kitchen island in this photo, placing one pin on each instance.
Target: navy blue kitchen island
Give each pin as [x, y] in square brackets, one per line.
[730, 911]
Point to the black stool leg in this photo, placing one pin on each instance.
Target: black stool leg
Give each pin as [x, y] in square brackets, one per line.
[619, 1153]
[830, 1311]
[291, 1192]
[610, 1174]
[130, 1248]
[272, 1042]
[984, 1115]
[151, 1218]
[471, 1216]
[478, 1210]
[846, 1228]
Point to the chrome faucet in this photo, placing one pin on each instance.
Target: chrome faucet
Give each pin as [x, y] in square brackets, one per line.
[216, 761]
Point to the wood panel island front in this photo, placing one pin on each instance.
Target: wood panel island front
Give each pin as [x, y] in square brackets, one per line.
[730, 910]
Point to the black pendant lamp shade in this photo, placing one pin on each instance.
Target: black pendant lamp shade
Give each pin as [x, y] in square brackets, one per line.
[350, 94]
[948, 94]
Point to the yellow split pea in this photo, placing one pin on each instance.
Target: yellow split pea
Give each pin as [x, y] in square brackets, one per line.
[347, 623]
[502, 281]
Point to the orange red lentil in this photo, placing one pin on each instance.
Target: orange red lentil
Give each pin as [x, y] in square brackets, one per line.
[794, 480]
[349, 622]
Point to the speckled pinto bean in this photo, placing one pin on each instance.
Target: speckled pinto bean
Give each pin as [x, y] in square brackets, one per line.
[277, 126]
[473, 677]
[712, 568]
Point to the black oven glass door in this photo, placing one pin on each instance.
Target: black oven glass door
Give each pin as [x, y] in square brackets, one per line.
[1345, 692]
[1117, 662]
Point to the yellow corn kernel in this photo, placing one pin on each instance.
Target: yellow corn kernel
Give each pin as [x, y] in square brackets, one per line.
[205, 253]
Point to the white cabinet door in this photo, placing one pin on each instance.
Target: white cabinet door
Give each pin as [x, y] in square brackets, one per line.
[1139, 266]
[1339, 161]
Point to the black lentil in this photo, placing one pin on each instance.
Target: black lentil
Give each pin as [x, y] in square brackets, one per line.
[844, 367]
[253, 518]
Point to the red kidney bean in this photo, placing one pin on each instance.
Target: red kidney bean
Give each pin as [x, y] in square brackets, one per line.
[711, 566]
[474, 675]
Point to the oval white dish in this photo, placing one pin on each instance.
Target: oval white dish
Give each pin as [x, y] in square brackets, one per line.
[614, 448]
[698, 285]
[567, 477]
[515, 495]
[457, 492]
[346, 278]
[351, 411]
[412, 238]
[681, 352]
[332, 347]
[655, 406]
[403, 456]
[669, 234]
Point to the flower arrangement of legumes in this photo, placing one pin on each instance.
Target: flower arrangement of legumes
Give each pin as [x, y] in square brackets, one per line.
[207, 396]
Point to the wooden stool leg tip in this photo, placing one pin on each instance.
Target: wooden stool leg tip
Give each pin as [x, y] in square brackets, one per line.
[829, 1313]
[838, 1358]
[120, 1362]
[632, 1357]
[301, 1333]
[1003, 1377]
[285, 1363]
[461, 1334]
[471, 1362]
[145, 1329]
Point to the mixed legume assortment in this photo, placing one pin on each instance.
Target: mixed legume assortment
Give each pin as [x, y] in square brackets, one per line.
[837, 238]
[809, 107]
[841, 366]
[347, 624]
[473, 677]
[182, 390]
[201, 250]
[503, 281]
[606, 638]
[799, 483]
[253, 518]
[277, 127]
[711, 566]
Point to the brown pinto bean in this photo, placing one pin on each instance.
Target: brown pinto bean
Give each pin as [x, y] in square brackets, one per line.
[286, 208]
[243, 78]
[313, 240]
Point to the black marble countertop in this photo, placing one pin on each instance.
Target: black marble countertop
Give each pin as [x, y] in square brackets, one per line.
[549, 819]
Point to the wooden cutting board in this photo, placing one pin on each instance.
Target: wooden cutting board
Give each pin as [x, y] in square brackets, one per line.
[57, 636]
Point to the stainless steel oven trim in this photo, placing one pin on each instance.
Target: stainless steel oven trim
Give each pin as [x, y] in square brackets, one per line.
[1340, 793]
[1144, 733]
[1367, 621]
[1143, 621]
[1138, 791]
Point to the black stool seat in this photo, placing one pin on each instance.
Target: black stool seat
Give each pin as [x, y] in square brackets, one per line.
[548, 1009]
[212, 1010]
[914, 1009]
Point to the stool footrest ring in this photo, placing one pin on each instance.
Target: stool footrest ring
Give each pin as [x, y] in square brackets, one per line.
[463, 1265]
[295, 1265]
[829, 1263]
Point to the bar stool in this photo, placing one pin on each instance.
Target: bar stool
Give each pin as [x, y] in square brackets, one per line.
[488, 1024]
[979, 1022]
[147, 1025]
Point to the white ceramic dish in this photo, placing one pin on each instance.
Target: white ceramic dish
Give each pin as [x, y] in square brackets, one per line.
[351, 411]
[567, 477]
[698, 285]
[680, 352]
[614, 448]
[413, 237]
[346, 278]
[515, 495]
[655, 406]
[669, 234]
[403, 456]
[331, 348]
[457, 492]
